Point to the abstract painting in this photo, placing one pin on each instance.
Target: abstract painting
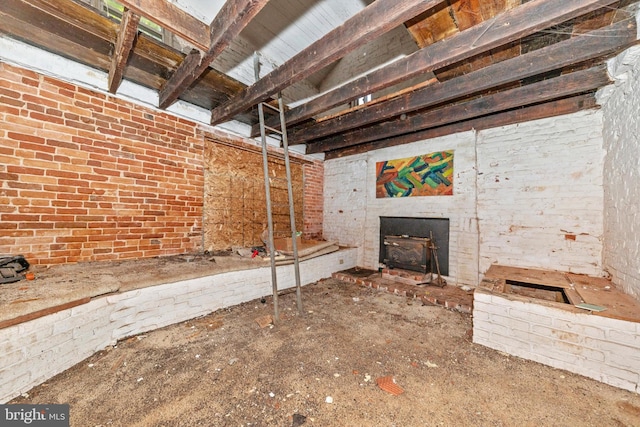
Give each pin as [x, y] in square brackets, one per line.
[425, 175]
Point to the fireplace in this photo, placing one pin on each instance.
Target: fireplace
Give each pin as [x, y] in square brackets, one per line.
[408, 253]
[412, 248]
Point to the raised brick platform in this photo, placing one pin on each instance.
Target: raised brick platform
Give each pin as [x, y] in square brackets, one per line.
[451, 297]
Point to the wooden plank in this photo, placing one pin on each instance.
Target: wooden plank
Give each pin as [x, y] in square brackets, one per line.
[600, 291]
[566, 85]
[578, 49]
[72, 13]
[376, 19]
[556, 279]
[172, 18]
[231, 19]
[429, 28]
[58, 36]
[124, 45]
[42, 313]
[505, 27]
[535, 112]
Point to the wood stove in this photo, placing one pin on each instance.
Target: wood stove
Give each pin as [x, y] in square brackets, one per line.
[408, 253]
[436, 229]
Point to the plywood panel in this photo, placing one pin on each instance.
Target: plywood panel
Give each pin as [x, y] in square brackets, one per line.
[235, 213]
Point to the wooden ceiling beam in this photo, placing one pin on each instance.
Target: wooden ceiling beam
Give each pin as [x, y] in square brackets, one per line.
[172, 18]
[126, 37]
[520, 115]
[376, 19]
[595, 44]
[69, 12]
[546, 90]
[508, 26]
[230, 21]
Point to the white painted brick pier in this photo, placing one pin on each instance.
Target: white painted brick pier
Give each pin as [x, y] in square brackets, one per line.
[605, 349]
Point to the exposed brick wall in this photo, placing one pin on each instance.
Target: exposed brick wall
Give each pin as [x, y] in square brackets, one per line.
[86, 176]
[313, 199]
[526, 195]
[621, 178]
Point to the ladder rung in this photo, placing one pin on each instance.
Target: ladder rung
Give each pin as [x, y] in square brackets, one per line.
[278, 131]
[271, 106]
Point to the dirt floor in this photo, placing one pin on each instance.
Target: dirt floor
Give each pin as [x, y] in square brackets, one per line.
[320, 369]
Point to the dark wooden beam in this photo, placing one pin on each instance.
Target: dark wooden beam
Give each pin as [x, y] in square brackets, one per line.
[511, 25]
[69, 12]
[520, 115]
[47, 26]
[546, 90]
[126, 37]
[172, 18]
[231, 19]
[376, 19]
[595, 44]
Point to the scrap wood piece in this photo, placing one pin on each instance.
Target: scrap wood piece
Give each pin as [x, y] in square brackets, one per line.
[264, 321]
[389, 385]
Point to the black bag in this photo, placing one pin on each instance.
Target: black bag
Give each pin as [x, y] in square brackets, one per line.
[11, 267]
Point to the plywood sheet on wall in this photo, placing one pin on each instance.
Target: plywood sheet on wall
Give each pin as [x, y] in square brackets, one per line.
[235, 213]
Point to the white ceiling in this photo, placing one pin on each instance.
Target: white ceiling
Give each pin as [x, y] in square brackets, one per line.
[282, 29]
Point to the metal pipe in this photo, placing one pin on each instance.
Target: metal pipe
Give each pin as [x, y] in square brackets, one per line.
[267, 193]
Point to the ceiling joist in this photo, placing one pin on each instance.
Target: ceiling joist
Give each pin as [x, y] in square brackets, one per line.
[232, 18]
[511, 25]
[376, 19]
[546, 90]
[126, 37]
[518, 115]
[173, 19]
[581, 48]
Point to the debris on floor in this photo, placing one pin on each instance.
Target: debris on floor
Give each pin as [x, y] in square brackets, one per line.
[264, 321]
[389, 385]
[298, 420]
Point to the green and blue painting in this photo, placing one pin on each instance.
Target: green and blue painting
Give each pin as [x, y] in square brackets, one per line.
[425, 175]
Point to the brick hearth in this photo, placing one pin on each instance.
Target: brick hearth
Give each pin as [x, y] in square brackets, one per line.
[450, 297]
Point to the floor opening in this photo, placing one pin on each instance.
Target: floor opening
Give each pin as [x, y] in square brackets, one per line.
[533, 290]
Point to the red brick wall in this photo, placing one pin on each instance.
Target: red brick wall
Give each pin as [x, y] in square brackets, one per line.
[313, 199]
[86, 176]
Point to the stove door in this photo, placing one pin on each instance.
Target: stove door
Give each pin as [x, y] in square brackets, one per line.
[408, 253]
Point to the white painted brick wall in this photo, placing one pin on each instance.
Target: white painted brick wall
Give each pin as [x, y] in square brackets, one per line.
[345, 201]
[352, 211]
[607, 350]
[35, 351]
[539, 182]
[621, 109]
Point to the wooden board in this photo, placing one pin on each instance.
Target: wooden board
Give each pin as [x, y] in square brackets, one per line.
[235, 213]
[577, 287]
[527, 275]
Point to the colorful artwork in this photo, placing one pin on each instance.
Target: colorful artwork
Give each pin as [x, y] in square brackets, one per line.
[426, 175]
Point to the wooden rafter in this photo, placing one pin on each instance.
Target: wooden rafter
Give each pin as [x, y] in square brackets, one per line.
[572, 51]
[503, 28]
[373, 21]
[126, 37]
[519, 115]
[173, 19]
[546, 90]
[73, 14]
[232, 18]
